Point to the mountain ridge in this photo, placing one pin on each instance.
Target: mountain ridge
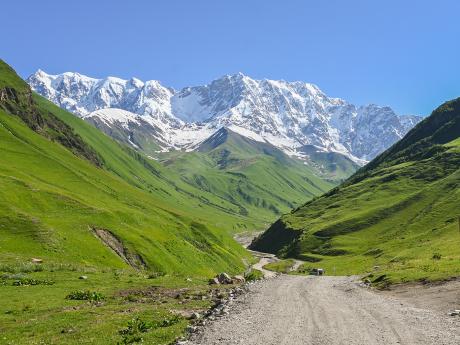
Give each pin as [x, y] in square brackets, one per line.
[287, 115]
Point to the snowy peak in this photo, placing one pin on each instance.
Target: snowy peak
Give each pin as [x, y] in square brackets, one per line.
[82, 95]
[201, 103]
[288, 115]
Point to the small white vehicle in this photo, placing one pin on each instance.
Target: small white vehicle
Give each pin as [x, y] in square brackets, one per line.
[317, 272]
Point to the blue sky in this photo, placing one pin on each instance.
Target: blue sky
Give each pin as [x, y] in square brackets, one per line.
[405, 54]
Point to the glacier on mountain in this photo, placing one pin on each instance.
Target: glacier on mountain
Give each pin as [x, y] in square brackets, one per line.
[293, 116]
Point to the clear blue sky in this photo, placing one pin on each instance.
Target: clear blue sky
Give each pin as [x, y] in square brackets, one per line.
[401, 53]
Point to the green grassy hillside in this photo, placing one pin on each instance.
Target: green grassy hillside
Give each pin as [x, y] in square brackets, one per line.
[61, 179]
[259, 179]
[398, 215]
[145, 241]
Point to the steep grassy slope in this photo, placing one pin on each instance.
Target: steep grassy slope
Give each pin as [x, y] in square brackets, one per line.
[256, 177]
[17, 98]
[399, 213]
[145, 241]
[61, 180]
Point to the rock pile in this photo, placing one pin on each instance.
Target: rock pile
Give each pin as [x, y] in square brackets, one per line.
[221, 308]
[224, 278]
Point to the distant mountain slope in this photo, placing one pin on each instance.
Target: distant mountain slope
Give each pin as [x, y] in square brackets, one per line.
[258, 177]
[288, 115]
[399, 213]
[71, 195]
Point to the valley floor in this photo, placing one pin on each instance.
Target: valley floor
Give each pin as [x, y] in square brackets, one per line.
[292, 309]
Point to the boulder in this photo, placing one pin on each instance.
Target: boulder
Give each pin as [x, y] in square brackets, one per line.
[192, 329]
[238, 279]
[195, 316]
[37, 261]
[214, 281]
[68, 331]
[224, 278]
[83, 277]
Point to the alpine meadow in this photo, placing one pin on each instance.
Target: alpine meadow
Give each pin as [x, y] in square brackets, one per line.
[253, 173]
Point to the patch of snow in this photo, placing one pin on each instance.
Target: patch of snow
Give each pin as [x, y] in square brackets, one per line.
[189, 108]
[112, 115]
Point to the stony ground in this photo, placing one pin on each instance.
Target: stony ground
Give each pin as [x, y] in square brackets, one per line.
[327, 310]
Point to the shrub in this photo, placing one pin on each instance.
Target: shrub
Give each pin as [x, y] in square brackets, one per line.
[253, 275]
[133, 333]
[87, 295]
[167, 321]
[436, 256]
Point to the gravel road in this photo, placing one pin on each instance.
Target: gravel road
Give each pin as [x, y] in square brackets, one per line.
[264, 259]
[326, 310]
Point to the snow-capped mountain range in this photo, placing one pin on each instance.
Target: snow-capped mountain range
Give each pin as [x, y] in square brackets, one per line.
[293, 116]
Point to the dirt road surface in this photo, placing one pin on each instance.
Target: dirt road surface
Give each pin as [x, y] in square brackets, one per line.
[326, 310]
[264, 259]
